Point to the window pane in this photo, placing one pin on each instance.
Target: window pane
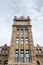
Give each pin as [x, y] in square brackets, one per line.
[22, 51]
[16, 59]
[22, 55]
[22, 60]
[21, 31]
[6, 62]
[22, 40]
[17, 39]
[6, 50]
[26, 32]
[17, 51]
[16, 55]
[37, 51]
[27, 51]
[3, 50]
[18, 31]
[40, 50]
[27, 60]
[26, 39]
[27, 56]
[26, 42]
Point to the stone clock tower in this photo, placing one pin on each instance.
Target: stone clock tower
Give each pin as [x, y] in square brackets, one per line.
[22, 51]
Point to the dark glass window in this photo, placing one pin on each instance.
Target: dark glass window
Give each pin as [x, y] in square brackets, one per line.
[26, 31]
[22, 56]
[27, 56]
[22, 40]
[26, 39]
[17, 40]
[21, 31]
[16, 55]
[18, 31]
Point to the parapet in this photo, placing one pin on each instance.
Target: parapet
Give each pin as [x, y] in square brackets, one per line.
[21, 18]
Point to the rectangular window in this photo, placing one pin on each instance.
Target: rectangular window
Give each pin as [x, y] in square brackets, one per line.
[27, 56]
[26, 31]
[17, 39]
[21, 31]
[22, 56]
[26, 39]
[18, 31]
[16, 55]
[0, 62]
[27, 60]
[22, 40]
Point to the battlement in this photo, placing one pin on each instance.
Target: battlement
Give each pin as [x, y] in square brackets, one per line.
[22, 18]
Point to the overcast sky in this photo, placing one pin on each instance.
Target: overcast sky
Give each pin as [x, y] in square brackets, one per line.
[11, 8]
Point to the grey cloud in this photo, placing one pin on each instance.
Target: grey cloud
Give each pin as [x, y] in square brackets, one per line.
[32, 8]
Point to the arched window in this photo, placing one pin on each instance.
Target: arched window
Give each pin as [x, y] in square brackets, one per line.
[6, 50]
[37, 51]
[38, 63]
[2, 50]
[40, 51]
[0, 61]
[6, 62]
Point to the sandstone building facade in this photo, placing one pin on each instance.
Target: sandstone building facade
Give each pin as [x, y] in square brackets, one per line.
[22, 50]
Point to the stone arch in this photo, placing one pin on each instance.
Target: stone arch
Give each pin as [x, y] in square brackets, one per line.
[37, 62]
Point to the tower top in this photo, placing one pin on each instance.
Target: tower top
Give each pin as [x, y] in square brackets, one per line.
[21, 18]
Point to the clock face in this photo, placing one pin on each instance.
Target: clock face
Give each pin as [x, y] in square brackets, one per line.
[21, 23]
